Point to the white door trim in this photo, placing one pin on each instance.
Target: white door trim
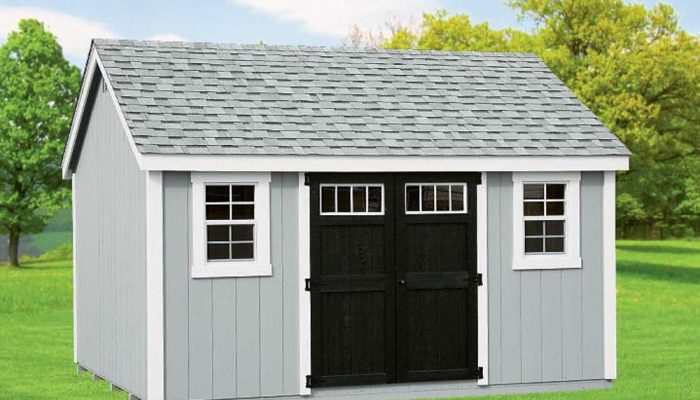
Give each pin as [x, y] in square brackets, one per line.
[482, 268]
[304, 296]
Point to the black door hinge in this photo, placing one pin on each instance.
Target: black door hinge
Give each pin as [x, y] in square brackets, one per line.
[479, 373]
[307, 181]
[307, 285]
[479, 280]
[308, 381]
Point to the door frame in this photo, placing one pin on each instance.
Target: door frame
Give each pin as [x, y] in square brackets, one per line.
[303, 205]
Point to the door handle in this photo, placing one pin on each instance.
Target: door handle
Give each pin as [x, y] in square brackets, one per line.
[402, 282]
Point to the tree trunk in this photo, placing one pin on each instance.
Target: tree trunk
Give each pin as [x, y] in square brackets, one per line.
[13, 248]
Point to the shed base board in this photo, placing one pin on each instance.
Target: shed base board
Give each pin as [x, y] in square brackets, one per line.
[112, 386]
[446, 389]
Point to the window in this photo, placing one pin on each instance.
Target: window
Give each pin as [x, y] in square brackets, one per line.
[436, 198]
[352, 199]
[231, 226]
[546, 220]
[230, 216]
[543, 210]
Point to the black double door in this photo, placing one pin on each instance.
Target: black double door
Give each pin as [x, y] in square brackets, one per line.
[393, 293]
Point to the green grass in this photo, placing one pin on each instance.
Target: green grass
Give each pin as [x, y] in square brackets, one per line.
[46, 241]
[658, 329]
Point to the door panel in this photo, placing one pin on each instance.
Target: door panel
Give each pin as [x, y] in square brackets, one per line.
[436, 292]
[393, 296]
[352, 290]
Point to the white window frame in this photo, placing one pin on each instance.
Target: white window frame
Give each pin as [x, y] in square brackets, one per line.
[571, 257]
[260, 266]
[351, 213]
[434, 184]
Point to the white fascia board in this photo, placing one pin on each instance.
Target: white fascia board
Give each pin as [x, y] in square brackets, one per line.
[154, 287]
[482, 268]
[78, 115]
[381, 163]
[609, 286]
[92, 65]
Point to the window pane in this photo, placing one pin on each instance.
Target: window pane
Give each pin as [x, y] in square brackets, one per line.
[241, 232]
[359, 198]
[217, 233]
[412, 198]
[242, 251]
[533, 245]
[243, 211]
[556, 191]
[457, 198]
[343, 199]
[217, 251]
[554, 245]
[554, 228]
[534, 208]
[243, 193]
[217, 212]
[216, 194]
[442, 198]
[328, 199]
[533, 228]
[375, 199]
[428, 198]
[532, 192]
[555, 208]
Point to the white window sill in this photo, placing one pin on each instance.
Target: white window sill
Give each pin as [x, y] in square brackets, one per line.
[540, 261]
[240, 269]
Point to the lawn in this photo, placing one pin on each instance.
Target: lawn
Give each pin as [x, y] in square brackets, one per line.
[658, 329]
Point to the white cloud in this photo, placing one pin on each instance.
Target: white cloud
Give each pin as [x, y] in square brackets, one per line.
[335, 17]
[73, 33]
[167, 37]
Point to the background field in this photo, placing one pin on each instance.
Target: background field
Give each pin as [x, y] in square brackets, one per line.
[658, 329]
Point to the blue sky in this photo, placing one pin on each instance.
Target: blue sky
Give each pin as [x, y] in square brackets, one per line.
[311, 22]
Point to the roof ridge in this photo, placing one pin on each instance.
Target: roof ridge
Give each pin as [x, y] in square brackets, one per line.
[312, 48]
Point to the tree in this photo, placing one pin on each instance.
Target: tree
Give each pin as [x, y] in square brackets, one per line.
[37, 93]
[635, 68]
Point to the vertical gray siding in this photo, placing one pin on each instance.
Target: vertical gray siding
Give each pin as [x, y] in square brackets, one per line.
[110, 229]
[231, 337]
[541, 329]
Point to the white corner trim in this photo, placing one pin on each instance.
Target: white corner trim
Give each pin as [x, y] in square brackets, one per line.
[261, 266]
[572, 212]
[609, 286]
[304, 296]
[283, 163]
[75, 273]
[154, 286]
[94, 62]
[482, 268]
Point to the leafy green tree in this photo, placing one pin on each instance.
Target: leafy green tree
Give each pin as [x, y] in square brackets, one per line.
[38, 88]
[634, 67]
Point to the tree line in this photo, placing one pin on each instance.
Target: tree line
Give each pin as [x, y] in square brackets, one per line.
[634, 67]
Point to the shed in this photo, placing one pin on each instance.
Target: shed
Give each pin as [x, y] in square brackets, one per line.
[303, 222]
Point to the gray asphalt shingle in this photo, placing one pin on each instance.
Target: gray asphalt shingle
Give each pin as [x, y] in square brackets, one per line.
[205, 98]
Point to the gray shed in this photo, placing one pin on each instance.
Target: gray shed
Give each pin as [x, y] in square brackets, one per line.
[303, 222]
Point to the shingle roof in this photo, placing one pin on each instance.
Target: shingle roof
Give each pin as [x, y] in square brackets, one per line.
[204, 98]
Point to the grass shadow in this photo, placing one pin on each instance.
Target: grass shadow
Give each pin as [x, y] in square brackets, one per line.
[659, 271]
[656, 248]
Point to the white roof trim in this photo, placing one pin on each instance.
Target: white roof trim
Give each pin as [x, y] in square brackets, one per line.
[280, 163]
[93, 63]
